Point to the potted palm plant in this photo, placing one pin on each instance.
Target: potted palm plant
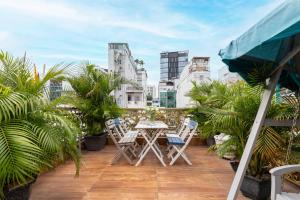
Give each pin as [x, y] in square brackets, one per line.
[205, 96]
[234, 116]
[34, 134]
[93, 88]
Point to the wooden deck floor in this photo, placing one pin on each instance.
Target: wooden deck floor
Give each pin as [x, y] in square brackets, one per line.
[208, 178]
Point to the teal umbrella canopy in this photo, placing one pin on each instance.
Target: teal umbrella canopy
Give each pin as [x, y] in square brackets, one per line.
[266, 43]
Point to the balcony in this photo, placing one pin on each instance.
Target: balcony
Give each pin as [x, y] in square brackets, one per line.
[134, 89]
[135, 104]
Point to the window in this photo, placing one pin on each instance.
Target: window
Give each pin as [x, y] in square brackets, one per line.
[163, 60]
[163, 70]
[182, 59]
[129, 97]
[137, 98]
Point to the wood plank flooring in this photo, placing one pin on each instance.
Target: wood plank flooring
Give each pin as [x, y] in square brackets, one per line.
[208, 178]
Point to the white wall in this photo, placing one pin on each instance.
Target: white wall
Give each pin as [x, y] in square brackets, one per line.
[225, 76]
[191, 73]
[121, 61]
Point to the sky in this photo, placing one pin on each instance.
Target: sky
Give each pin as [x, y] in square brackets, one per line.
[56, 31]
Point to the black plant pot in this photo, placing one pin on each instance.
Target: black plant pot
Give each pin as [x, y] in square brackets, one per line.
[234, 164]
[20, 192]
[210, 141]
[256, 189]
[95, 142]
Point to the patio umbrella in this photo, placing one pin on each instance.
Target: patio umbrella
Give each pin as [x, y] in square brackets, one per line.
[271, 46]
[266, 44]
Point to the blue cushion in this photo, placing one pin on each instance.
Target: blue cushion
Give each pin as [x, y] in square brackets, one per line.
[117, 121]
[192, 124]
[175, 141]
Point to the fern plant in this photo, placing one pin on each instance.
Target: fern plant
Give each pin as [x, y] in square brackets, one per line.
[34, 134]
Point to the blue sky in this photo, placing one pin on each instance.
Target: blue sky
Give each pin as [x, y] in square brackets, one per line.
[73, 30]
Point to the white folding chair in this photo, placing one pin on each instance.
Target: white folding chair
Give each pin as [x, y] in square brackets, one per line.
[123, 142]
[181, 132]
[123, 129]
[276, 176]
[179, 144]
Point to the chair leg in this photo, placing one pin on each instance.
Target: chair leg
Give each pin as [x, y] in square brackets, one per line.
[180, 152]
[183, 155]
[116, 157]
[120, 153]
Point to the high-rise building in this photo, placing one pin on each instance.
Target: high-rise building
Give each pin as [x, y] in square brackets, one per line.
[197, 70]
[167, 94]
[55, 89]
[172, 64]
[120, 60]
[225, 76]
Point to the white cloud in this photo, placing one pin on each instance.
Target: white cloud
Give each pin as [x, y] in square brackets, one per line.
[104, 16]
[39, 8]
[10, 43]
[160, 28]
[70, 57]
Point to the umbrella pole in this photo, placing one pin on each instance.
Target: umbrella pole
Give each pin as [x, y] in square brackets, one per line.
[256, 127]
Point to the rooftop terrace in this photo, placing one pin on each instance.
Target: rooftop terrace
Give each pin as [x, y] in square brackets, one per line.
[208, 178]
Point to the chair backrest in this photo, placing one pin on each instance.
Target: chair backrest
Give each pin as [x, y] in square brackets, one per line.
[182, 126]
[189, 130]
[110, 127]
[120, 126]
[114, 126]
[123, 126]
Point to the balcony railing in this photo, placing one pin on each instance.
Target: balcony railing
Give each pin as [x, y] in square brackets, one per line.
[134, 89]
[135, 104]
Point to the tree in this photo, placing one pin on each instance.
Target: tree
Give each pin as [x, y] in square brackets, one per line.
[141, 62]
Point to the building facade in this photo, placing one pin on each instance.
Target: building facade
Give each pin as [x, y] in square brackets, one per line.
[225, 76]
[55, 89]
[172, 64]
[167, 94]
[197, 70]
[120, 60]
[151, 94]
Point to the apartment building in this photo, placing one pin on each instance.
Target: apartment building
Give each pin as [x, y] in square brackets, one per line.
[197, 70]
[120, 60]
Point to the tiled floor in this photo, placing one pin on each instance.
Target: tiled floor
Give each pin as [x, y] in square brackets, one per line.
[208, 178]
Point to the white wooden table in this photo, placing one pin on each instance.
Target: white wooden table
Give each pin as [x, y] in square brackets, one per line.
[150, 131]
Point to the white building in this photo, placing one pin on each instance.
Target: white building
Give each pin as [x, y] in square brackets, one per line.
[151, 94]
[225, 76]
[120, 61]
[197, 70]
[151, 91]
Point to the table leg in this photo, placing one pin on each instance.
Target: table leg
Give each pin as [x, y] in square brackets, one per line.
[151, 145]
